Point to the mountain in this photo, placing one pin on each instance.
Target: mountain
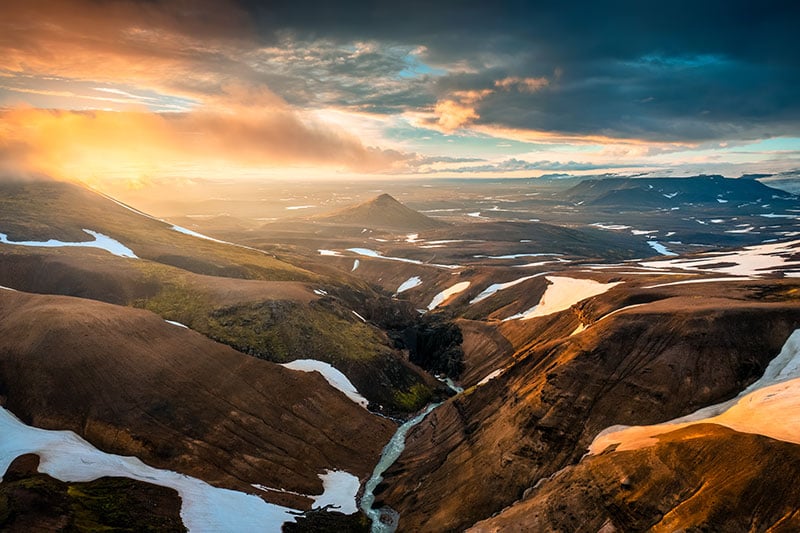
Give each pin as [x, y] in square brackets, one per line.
[132, 384]
[482, 450]
[666, 192]
[383, 212]
[248, 299]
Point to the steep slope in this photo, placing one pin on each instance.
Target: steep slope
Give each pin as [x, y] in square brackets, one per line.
[132, 384]
[383, 212]
[701, 478]
[647, 363]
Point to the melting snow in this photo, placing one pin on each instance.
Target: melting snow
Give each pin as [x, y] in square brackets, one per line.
[330, 253]
[410, 283]
[372, 253]
[690, 281]
[720, 200]
[491, 289]
[770, 407]
[101, 241]
[176, 324]
[440, 298]
[491, 376]
[660, 248]
[515, 256]
[361, 318]
[185, 231]
[610, 226]
[577, 330]
[750, 261]
[8, 289]
[333, 376]
[340, 491]
[356, 264]
[562, 294]
[67, 457]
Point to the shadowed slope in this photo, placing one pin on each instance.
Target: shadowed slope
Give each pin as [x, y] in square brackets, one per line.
[652, 363]
[132, 384]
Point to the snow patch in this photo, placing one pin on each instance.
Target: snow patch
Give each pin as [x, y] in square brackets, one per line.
[340, 489]
[334, 377]
[440, 298]
[770, 407]
[410, 283]
[67, 457]
[563, 293]
[356, 264]
[613, 227]
[103, 242]
[491, 289]
[330, 253]
[750, 261]
[377, 255]
[660, 248]
[176, 324]
[491, 376]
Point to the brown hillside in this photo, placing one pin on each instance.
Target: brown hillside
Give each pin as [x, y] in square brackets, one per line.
[702, 478]
[132, 384]
[652, 363]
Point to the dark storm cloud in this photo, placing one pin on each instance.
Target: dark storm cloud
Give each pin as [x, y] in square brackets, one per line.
[660, 71]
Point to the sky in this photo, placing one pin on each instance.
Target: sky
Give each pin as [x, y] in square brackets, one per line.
[140, 90]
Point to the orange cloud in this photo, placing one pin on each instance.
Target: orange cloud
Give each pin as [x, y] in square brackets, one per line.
[525, 85]
[458, 110]
[245, 128]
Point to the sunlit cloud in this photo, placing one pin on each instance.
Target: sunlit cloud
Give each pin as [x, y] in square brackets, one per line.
[242, 87]
[245, 128]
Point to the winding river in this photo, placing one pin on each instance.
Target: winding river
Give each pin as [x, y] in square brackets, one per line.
[385, 520]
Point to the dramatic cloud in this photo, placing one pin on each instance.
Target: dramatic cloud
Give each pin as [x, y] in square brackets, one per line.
[251, 83]
[244, 128]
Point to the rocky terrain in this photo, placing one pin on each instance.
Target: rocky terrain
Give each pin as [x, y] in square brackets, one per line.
[527, 338]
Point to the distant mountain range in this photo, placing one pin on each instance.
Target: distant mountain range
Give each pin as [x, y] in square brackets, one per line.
[668, 192]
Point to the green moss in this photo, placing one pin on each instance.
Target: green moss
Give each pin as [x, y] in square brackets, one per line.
[106, 504]
[414, 398]
[281, 331]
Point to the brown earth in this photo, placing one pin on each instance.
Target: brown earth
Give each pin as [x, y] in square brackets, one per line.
[132, 384]
[701, 478]
[646, 365]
